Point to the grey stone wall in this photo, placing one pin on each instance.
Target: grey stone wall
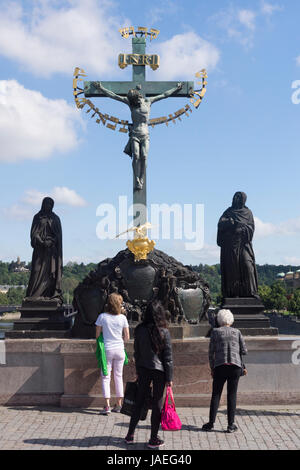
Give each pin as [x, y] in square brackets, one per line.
[64, 372]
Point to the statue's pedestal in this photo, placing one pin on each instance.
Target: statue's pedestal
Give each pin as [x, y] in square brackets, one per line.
[183, 331]
[41, 319]
[248, 316]
[160, 277]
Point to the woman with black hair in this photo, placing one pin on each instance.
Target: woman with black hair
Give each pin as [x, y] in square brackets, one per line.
[154, 363]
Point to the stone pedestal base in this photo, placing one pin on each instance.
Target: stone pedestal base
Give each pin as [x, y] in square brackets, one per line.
[243, 305]
[248, 316]
[64, 372]
[41, 319]
[184, 331]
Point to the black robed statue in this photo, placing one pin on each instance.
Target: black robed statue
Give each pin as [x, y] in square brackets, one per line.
[46, 241]
[235, 233]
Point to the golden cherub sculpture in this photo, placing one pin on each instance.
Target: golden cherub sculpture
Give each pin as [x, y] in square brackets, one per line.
[140, 246]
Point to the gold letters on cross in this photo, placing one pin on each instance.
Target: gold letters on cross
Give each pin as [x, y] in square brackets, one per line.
[139, 59]
[153, 33]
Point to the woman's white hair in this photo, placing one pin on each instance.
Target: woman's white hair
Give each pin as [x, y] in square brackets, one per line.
[225, 317]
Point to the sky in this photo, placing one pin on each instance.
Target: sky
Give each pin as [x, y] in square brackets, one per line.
[243, 137]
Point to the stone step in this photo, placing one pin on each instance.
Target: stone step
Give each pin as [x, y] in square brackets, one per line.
[37, 334]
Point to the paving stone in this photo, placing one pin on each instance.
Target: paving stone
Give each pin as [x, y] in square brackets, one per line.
[48, 428]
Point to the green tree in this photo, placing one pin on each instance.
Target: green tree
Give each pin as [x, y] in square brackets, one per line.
[264, 292]
[15, 295]
[294, 302]
[278, 296]
[3, 299]
[68, 286]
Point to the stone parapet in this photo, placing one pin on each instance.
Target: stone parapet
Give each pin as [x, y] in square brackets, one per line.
[64, 372]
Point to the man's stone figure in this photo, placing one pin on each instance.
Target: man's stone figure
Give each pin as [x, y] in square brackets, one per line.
[235, 233]
[138, 145]
[46, 268]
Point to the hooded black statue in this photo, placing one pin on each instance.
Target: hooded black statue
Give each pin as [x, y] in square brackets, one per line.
[235, 233]
[46, 241]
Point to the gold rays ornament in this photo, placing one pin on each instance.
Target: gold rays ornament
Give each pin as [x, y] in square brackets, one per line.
[113, 123]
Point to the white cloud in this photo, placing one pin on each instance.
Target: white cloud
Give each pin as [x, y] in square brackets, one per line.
[157, 13]
[33, 198]
[263, 229]
[209, 254]
[32, 126]
[85, 34]
[54, 38]
[241, 24]
[269, 8]
[290, 227]
[18, 212]
[184, 54]
[61, 195]
[266, 229]
[292, 260]
[247, 18]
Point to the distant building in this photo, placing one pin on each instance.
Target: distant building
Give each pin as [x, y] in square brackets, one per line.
[5, 288]
[291, 279]
[18, 266]
[280, 276]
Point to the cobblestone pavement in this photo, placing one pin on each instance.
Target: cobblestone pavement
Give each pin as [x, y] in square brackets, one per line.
[41, 428]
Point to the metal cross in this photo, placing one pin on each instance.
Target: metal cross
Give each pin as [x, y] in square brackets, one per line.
[147, 89]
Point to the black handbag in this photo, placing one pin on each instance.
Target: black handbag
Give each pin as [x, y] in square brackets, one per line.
[130, 399]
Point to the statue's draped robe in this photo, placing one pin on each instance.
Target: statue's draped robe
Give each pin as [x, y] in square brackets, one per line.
[46, 269]
[238, 269]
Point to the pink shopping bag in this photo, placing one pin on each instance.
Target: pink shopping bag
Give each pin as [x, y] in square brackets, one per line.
[169, 418]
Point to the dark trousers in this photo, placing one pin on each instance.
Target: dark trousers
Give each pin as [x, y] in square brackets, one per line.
[145, 377]
[231, 374]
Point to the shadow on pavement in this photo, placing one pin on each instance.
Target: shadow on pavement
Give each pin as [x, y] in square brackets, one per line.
[185, 427]
[102, 441]
[56, 409]
[261, 412]
[267, 412]
[94, 411]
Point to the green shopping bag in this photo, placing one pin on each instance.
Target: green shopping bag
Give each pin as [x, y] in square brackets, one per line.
[101, 355]
[126, 362]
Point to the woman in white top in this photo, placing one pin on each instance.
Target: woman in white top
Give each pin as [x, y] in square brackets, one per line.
[114, 326]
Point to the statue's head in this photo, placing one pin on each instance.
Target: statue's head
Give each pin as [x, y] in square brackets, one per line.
[47, 205]
[134, 97]
[239, 200]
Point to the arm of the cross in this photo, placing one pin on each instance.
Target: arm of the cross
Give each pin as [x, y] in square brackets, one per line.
[110, 94]
[166, 94]
[146, 88]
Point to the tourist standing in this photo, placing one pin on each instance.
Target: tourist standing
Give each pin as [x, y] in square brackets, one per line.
[154, 364]
[114, 326]
[226, 348]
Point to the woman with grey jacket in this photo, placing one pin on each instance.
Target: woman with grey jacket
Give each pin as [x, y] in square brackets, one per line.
[226, 348]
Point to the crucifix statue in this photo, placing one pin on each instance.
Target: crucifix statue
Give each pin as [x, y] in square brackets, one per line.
[138, 94]
[136, 280]
[138, 145]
